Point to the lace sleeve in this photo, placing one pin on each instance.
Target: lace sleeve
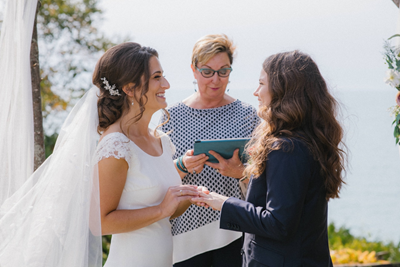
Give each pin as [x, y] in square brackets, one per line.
[114, 145]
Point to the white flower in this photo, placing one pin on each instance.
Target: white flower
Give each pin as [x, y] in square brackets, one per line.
[392, 78]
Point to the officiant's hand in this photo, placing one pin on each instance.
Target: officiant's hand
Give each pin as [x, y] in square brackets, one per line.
[232, 167]
[194, 164]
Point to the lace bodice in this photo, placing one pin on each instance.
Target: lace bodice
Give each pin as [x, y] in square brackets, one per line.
[114, 145]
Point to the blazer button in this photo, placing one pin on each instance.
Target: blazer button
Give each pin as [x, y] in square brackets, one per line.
[241, 252]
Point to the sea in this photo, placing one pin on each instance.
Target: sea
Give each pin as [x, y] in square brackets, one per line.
[369, 203]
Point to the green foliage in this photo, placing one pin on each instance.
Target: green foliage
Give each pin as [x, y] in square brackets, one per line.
[392, 58]
[342, 238]
[49, 143]
[106, 246]
[69, 46]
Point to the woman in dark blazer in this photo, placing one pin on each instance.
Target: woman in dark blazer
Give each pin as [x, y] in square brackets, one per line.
[296, 165]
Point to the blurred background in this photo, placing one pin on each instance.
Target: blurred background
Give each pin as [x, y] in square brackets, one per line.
[345, 38]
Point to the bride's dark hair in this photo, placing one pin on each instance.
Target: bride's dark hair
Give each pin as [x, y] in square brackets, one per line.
[121, 65]
[301, 107]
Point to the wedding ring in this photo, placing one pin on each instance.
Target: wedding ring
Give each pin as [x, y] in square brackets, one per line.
[217, 171]
[180, 192]
[194, 171]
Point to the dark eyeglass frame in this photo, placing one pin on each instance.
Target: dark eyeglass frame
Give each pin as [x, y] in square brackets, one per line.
[214, 71]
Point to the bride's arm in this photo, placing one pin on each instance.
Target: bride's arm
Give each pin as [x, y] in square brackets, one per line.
[112, 177]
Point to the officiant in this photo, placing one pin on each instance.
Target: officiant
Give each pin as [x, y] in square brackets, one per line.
[209, 113]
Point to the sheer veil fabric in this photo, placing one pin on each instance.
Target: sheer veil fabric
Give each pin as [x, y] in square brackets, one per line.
[16, 118]
[53, 218]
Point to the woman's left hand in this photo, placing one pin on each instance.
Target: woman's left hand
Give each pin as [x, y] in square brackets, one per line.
[214, 200]
[232, 167]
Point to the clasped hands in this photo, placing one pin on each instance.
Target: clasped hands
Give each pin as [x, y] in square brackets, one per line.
[197, 195]
[207, 199]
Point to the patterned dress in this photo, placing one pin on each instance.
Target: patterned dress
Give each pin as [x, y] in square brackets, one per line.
[235, 120]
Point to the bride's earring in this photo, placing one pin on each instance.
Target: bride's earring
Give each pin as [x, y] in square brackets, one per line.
[194, 84]
[132, 103]
[228, 87]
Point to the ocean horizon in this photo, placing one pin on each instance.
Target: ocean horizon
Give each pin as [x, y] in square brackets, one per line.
[369, 203]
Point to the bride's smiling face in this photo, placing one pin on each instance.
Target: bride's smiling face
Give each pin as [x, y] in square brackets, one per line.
[158, 84]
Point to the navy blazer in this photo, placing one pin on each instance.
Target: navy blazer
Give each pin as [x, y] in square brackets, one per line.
[284, 216]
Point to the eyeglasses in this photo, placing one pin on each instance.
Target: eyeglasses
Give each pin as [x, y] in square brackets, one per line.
[208, 73]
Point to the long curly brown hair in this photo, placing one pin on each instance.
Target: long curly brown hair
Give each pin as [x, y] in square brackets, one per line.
[301, 107]
[121, 65]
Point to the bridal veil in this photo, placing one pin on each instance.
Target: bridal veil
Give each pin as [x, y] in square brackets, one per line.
[49, 218]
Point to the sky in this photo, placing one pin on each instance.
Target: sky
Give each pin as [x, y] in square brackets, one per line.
[344, 37]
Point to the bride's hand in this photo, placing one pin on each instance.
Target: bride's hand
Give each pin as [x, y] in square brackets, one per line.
[212, 199]
[174, 196]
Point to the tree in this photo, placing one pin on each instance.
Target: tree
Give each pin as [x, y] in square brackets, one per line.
[70, 43]
[39, 150]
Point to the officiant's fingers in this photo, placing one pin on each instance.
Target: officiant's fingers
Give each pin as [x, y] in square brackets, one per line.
[235, 155]
[212, 165]
[232, 167]
[220, 167]
[217, 156]
[194, 164]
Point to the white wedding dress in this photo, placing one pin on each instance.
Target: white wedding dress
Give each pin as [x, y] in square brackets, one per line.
[146, 184]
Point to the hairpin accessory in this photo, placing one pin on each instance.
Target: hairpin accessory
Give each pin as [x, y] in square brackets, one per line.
[111, 89]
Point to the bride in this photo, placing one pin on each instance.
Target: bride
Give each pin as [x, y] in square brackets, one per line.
[140, 189]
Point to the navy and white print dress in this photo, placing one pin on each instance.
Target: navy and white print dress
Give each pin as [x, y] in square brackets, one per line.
[201, 225]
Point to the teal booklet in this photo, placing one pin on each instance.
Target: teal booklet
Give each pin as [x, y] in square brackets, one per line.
[224, 147]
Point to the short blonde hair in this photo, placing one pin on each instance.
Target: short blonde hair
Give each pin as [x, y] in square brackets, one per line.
[210, 45]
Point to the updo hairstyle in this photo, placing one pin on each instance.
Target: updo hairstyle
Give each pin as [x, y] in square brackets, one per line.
[120, 65]
[210, 45]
